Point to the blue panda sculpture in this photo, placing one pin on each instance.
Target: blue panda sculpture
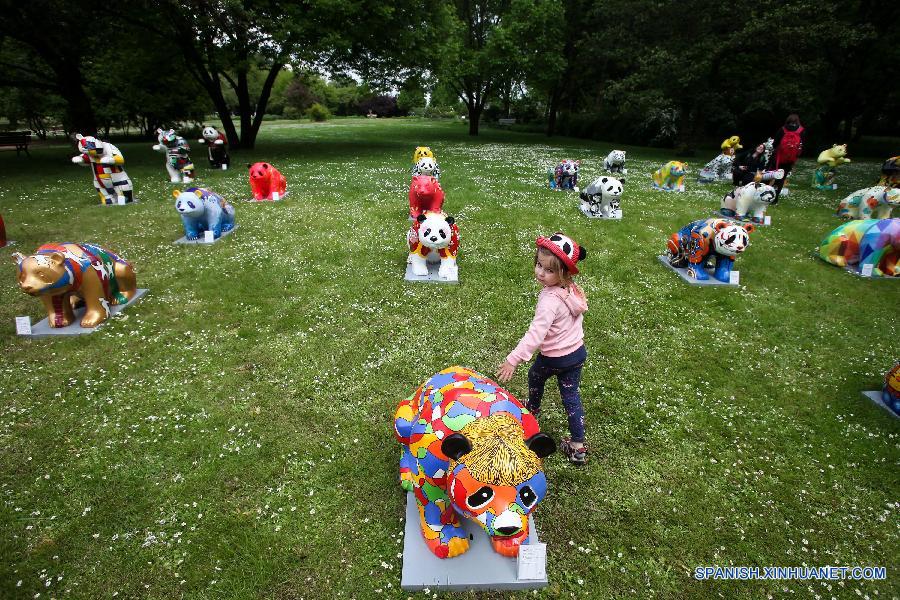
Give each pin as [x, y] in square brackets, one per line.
[203, 210]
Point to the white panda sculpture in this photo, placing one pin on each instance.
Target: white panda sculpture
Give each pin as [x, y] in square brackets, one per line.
[615, 163]
[434, 237]
[427, 166]
[748, 202]
[601, 198]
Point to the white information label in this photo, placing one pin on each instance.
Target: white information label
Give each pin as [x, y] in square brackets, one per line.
[734, 277]
[224, 167]
[23, 325]
[867, 270]
[275, 196]
[533, 561]
[209, 237]
[121, 200]
[767, 220]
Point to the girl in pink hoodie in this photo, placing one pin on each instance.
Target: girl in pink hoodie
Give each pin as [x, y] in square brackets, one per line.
[556, 331]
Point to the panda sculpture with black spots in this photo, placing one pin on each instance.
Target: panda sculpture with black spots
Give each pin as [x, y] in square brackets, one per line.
[601, 198]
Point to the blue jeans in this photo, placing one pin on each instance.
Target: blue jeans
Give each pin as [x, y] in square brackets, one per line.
[568, 376]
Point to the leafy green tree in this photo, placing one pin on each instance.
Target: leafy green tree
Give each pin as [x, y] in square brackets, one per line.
[475, 53]
[43, 48]
[411, 95]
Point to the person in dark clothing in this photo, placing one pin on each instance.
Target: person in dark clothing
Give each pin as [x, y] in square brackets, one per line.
[788, 144]
[747, 163]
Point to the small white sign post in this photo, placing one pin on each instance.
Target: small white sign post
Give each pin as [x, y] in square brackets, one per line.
[532, 561]
[23, 325]
[209, 237]
[734, 277]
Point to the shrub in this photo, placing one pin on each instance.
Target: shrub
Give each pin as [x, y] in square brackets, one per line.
[318, 113]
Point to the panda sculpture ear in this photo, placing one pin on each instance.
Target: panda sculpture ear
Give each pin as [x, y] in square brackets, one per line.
[450, 220]
[175, 193]
[454, 446]
[749, 228]
[721, 225]
[421, 218]
[541, 444]
[57, 258]
[249, 166]
[604, 180]
[78, 136]
[198, 193]
[582, 252]
[158, 130]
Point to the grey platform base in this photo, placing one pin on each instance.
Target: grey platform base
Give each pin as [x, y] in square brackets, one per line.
[684, 275]
[134, 201]
[432, 276]
[255, 201]
[876, 398]
[719, 215]
[202, 241]
[43, 329]
[480, 568]
[614, 215]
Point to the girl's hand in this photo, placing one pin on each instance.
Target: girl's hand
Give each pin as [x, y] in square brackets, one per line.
[505, 371]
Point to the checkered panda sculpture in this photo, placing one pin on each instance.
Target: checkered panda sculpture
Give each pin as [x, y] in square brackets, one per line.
[108, 166]
[601, 198]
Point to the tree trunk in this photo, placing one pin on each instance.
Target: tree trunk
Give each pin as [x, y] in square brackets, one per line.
[474, 118]
[553, 109]
[80, 115]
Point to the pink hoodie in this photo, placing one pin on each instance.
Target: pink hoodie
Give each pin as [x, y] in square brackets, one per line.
[556, 328]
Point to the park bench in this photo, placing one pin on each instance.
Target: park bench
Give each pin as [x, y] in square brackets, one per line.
[15, 139]
[506, 122]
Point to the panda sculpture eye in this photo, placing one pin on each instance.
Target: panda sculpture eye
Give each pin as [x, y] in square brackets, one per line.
[529, 498]
[427, 232]
[191, 204]
[443, 234]
[480, 498]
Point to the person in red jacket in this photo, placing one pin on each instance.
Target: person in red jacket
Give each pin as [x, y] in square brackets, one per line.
[788, 143]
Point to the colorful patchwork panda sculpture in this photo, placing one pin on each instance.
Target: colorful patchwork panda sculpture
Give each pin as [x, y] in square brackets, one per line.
[615, 163]
[859, 243]
[434, 237]
[217, 147]
[425, 194]
[470, 449]
[265, 181]
[564, 176]
[108, 165]
[203, 210]
[869, 203]
[890, 173]
[670, 178]
[601, 198]
[748, 202]
[65, 275]
[890, 393]
[696, 244]
[178, 160]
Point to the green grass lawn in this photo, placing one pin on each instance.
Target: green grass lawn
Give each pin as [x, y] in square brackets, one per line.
[231, 435]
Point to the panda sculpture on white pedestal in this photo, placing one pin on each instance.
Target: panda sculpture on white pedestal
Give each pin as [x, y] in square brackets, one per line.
[601, 198]
[434, 237]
